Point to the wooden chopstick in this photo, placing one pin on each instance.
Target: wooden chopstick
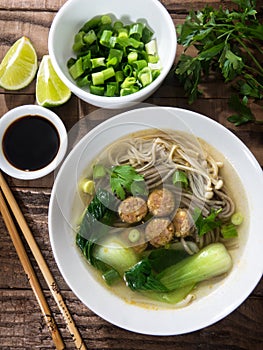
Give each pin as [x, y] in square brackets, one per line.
[76, 337]
[18, 244]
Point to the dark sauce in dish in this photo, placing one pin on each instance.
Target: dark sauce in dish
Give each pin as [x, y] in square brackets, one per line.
[31, 142]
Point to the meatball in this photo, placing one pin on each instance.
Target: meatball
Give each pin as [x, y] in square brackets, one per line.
[132, 209]
[161, 202]
[182, 223]
[159, 232]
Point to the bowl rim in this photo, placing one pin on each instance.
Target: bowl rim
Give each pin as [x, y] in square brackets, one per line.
[14, 114]
[115, 99]
[163, 322]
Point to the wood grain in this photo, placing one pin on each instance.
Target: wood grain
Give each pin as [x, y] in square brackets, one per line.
[30, 273]
[21, 324]
[54, 5]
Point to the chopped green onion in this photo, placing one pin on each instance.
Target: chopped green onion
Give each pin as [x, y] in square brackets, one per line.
[76, 70]
[136, 30]
[86, 61]
[126, 41]
[128, 91]
[119, 76]
[229, 231]
[105, 38]
[116, 54]
[112, 62]
[105, 19]
[151, 47]
[124, 51]
[91, 24]
[71, 61]
[99, 171]
[87, 186]
[135, 43]
[112, 89]
[237, 219]
[155, 73]
[97, 62]
[123, 32]
[97, 90]
[134, 235]
[139, 65]
[146, 35]
[97, 78]
[180, 179]
[85, 81]
[132, 57]
[117, 26]
[145, 76]
[108, 73]
[128, 82]
[78, 41]
[127, 70]
[112, 41]
[90, 37]
[107, 27]
[153, 59]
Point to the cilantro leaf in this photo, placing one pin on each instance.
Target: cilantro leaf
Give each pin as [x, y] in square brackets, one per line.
[124, 180]
[211, 52]
[244, 113]
[188, 72]
[206, 224]
[231, 64]
[243, 4]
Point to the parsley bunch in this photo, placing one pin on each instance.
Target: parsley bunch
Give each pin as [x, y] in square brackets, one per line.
[229, 42]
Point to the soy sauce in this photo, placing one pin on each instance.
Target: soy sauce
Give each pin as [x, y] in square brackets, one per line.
[30, 142]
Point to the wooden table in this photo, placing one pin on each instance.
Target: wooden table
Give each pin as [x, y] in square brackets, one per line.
[21, 323]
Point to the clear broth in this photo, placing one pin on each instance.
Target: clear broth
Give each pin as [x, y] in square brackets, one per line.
[236, 191]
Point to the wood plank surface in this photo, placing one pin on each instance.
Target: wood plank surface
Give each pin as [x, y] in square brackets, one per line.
[54, 5]
[21, 324]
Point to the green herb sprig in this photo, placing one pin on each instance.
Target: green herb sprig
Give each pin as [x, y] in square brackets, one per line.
[125, 179]
[228, 42]
[206, 224]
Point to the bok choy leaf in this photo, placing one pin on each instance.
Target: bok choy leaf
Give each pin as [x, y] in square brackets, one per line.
[92, 226]
[211, 261]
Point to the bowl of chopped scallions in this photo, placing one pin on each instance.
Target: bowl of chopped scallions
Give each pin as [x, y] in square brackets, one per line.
[113, 54]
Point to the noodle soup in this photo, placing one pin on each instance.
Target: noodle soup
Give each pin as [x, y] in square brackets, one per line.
[154, 202]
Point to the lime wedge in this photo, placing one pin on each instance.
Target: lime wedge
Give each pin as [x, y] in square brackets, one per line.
[50, 90]
[19, 65]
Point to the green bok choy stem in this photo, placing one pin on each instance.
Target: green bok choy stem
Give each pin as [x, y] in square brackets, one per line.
[211, 261]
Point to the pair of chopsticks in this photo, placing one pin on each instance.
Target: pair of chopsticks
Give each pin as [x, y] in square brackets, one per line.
[6, 196]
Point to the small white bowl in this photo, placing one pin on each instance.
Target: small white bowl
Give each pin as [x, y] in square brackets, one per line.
[32, 110]
[71, 17]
